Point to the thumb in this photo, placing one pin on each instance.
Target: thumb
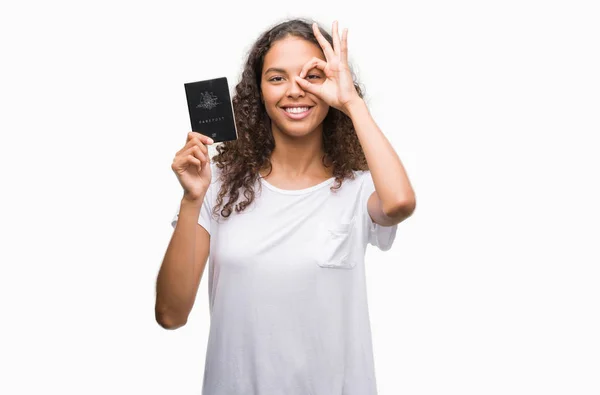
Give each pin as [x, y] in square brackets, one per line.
[307, 86]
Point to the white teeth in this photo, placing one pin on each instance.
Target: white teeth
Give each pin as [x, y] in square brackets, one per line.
[296, 110]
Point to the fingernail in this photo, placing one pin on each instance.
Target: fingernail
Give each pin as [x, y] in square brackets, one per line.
[210, 140]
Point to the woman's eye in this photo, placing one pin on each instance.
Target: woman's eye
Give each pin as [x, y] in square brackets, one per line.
[313, 76]
[276, 79]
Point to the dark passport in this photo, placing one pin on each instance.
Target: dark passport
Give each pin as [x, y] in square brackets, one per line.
[211, 111]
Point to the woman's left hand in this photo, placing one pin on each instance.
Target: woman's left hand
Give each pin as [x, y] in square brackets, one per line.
[338, 89]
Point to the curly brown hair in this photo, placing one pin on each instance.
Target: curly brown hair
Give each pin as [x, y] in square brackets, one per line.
[242, 159]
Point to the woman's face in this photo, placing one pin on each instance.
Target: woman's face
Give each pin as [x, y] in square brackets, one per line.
[292, 110]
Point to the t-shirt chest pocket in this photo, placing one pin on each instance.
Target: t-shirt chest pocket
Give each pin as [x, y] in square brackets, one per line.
[335, 245]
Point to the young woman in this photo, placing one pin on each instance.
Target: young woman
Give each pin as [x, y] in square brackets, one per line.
[286, 277]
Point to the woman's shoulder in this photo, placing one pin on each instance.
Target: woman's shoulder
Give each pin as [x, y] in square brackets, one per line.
[361, 174]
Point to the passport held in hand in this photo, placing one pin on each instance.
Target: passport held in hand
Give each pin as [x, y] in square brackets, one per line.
[211, 111]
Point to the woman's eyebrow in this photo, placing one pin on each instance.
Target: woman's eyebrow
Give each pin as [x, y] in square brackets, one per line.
[282, 71]
[276, 70]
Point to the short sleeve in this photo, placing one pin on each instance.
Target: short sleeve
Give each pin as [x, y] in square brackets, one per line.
[204, 219]
[380, 236]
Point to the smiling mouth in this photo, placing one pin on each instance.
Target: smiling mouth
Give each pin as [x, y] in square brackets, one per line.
[297, 112]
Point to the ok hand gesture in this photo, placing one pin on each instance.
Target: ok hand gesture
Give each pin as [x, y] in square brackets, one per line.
[338, 89]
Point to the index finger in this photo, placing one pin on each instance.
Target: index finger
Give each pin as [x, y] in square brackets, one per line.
[203, 138]
[311, 64]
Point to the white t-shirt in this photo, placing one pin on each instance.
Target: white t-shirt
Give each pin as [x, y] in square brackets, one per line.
[287, 291]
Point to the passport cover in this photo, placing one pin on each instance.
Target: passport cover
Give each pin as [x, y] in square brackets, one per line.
[211, 110]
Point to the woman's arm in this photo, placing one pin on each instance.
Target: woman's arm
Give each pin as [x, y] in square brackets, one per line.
[182, 267]
[394, 198]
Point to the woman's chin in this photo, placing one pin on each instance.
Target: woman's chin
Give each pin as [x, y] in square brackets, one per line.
[300, 130]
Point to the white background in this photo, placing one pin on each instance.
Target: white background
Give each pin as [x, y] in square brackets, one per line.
[492, 286]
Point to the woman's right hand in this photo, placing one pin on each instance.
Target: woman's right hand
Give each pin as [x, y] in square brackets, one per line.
[192, 166]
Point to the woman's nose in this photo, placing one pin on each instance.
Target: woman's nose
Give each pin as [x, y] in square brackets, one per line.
[294, 90]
